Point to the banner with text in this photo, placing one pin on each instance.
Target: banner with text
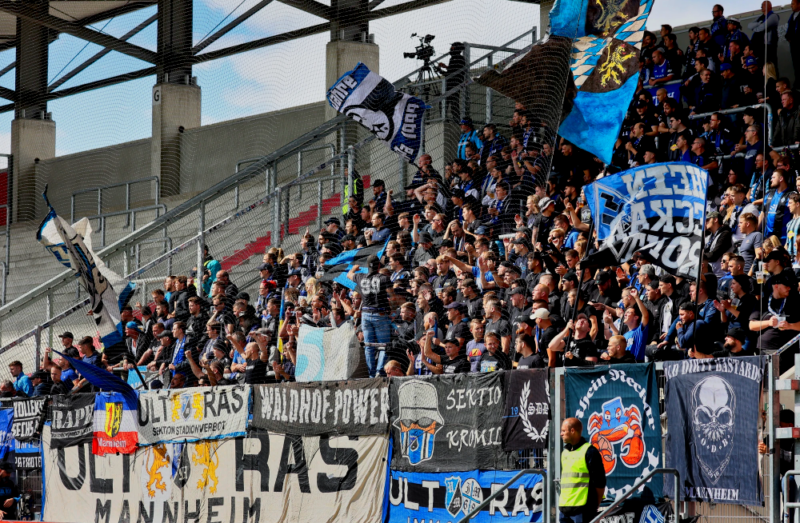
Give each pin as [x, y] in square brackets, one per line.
[713, 409]
[353, 408]
[28, 455]
[72, 420]
[448, 497]
[193, 414]
[527, 410]
[618, 407]
[29, 417]
[260, 478]
[448, 423]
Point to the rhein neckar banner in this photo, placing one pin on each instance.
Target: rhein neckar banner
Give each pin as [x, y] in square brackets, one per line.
[618, 406]
[448, 423]
[713, 412]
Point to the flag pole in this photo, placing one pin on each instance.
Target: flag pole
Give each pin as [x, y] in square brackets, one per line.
[578, 296]
[699, 274]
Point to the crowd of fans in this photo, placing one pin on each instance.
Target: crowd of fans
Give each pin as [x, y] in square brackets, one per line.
[481, 268]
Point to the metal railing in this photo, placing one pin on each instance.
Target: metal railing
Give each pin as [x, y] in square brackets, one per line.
[102, 188]
[641, 483]
[131, 218]
[735, 110]
[4, 269]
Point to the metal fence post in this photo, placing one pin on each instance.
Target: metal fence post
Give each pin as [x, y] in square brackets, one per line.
[99, 201]
[319, 205]
[38, 340]
[489, 94]
[127, 202]
[351, 164]
[276, 218]
[201, 242]
[774, 467]
[71, 210]
[50, 314]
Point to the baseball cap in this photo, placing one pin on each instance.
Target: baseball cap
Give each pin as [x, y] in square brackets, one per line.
[457, 193]
[451, 340]
[133, 326]
[517, 290]
[481, 230]
[640, 104]
[724, 67]
[713, 214]
[425, 237]
[456, 305]
[40, 374]
[265, 267]
[348, 238]
[737, 334]
[750, 61]
[540, 314]
[373, 261]
[777, 254]
[67, 334]
[243, 296]
[333, 219]
[465, 121]
[570, 276]
[544, 202]
[294, 272]
[603, 277]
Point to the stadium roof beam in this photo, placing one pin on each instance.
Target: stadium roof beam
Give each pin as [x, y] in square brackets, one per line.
[403, 8]
[374, 3]
[26, 11]
[311, 7]
[263, 42]
[8, 94]
[129, 7]
[78, 69]
[233, 24]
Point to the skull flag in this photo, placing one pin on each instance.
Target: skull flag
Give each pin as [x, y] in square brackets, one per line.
[712, 407]
[618, 407]
[448, 423]
[370, 99]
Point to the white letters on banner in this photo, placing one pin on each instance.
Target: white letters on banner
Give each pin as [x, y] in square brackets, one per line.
[262, 478]
[192, 414]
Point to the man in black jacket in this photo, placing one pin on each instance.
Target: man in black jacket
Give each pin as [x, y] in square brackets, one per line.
[787, 129]
[720, 241]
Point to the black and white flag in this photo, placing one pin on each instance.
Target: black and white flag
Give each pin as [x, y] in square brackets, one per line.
[73, 418]
[28, 418]
[658, 210]
[393, 117]
[527, 410]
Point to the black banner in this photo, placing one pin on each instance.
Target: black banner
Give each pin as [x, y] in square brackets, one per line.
[28, 418]
[72, 420]
[527, 410]
[448, 423]
[713, 411]
[353, 408]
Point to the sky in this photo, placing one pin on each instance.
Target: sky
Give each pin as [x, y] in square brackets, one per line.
[276, 77]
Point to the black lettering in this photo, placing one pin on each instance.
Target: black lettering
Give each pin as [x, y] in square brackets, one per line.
[252, 462]
[224, 405]
[214, 502]
[248, 511]
[126, 473]
[102, 511]
[125, 515]
[233, 509]
[293, 444]
[208, 401]
[238, 401]
[143, 516]
[347, 457]
[98, 485]
[169, 515]
[191, 515]
[143, 410]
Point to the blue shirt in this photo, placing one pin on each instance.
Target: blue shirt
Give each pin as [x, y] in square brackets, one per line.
[23, 383]
[779, 229]
[467, 138]
[663, 70]
[637, 339]
[69, 376]
[381, 236]
[178, 356]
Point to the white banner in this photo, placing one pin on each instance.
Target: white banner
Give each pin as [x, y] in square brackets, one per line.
[180, 416]
[329, 354]
[265, 478]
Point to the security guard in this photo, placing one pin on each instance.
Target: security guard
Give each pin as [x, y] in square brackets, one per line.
[583, 478]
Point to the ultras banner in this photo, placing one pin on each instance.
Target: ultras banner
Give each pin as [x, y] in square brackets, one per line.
[448, 497]
[527, 410]
[260, 478]
[448, 423]
[29, 417]
[618, 407]
[713, 409]
[192, 414]
[72, 420]
[353, 408]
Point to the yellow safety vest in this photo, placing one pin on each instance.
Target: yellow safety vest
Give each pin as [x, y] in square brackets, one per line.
[574, 477]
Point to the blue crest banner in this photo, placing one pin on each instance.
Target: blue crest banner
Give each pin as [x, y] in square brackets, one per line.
[448, 423]
[393, 117]
[658, 210]
[449, 497]
[618, 407]
[713, 411]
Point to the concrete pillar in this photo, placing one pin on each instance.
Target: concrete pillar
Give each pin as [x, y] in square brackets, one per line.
[33, 135]
[544, 17]
[31, 140]
[175, 108]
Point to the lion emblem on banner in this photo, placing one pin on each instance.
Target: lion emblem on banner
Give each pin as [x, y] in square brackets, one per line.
[618, 425]
[187, 406]
[205, 456]
[113, 419]
[155, 479]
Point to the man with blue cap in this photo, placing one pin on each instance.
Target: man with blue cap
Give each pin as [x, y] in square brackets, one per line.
[468, 135]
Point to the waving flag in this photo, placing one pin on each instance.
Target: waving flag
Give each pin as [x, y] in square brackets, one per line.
[658, 210]
[72, 246]
[596, 45]
[336, 269]
[116, 430]
[371, 100]
[101, 378]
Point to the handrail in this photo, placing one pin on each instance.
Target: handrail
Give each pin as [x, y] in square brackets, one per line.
[768, 123]
[189, 206]
[501, 490]
[101, 188]
[786, 345]
[3, 276]
[784, 479]
[640, 483]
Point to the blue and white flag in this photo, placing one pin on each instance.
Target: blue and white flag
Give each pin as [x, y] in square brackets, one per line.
[371, 100]
[72, 246]
[658, 210]
[336, 269]
[101, 378]
[6, 436]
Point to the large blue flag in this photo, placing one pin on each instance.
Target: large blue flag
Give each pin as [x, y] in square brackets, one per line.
[336, 269]
[392, 116]
[657, 210]
[101, 378]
